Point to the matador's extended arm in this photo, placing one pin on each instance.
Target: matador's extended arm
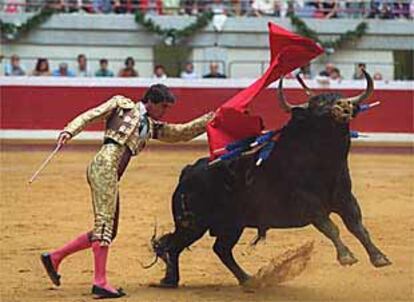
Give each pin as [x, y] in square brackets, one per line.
[173, 133]
[97, 113]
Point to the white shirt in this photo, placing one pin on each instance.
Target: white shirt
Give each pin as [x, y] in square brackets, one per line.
[188, 76]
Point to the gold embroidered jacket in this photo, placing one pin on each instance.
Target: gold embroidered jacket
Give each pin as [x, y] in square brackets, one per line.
[127, 133]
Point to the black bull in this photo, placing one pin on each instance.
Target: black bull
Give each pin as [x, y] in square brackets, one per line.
[305, 179]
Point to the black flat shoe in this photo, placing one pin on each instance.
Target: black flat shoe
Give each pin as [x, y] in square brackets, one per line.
[102, 293]
[47, 263]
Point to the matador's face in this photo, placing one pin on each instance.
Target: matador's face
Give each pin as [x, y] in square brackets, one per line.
[157, 111]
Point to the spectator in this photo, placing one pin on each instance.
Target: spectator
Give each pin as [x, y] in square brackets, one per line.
[217, 7]
[42, 68]
[189, 7]
[329, 8]
[103, 70]
[120, 6]
[241, 7]
[265, 7]
[335, 75]
[374, 9]
[357, 8]
[327, 71]
[412, 9]
[129, 70]
[214, 72]
[307, 10]
[63, 71]
[82, 67]
[290, 7]
[153, 7]
[188, 73]
[159, 72]
[402, 9]
[102, 6]
[170, 7]
[377, 76]
[358, 75]
[386, 11]
[14, 68]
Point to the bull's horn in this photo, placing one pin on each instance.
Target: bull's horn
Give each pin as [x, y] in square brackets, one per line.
[367, 93]
[149, 265]
[308, 91]
[282, 100]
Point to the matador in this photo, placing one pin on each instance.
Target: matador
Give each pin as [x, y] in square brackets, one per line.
[128, 128]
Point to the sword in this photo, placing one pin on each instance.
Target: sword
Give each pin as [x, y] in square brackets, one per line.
[45, 163]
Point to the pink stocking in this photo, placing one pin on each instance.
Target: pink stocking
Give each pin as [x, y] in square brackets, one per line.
[80, 243]
[100, 255]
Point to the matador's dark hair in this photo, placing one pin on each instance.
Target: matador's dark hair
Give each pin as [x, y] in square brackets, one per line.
[158, 93]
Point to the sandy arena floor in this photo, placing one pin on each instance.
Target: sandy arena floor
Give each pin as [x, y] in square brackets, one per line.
[57, 207]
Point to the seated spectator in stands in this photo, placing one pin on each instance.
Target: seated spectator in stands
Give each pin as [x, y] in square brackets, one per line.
[306, 9]
[217, 7]
[401, 8]
[386, 11]
[170, 7]
[42, 68]
[214, 72]
[335, 75]
[374, 9]
[327, 71]
[120, 6]
[265, 7]
[129, 70]
[14, 68]
[63, 71]
[159, 72]
[330, 9]
[412, 9]
[153, 7]
[102, 6]
[242, 7]
[356, 8]
[82, 67]
[103, 70]
[188, 73]
[358, 75]
[188, 7]
[377, 76]
[290, 7]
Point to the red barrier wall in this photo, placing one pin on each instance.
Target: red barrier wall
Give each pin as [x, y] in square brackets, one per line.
[51, 107]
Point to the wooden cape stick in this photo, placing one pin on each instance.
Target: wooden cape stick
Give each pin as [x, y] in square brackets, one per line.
[45, 163]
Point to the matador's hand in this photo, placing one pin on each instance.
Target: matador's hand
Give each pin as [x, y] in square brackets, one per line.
[63, 138]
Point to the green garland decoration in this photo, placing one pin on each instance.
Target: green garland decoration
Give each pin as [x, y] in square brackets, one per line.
[11, 31]
[351, 35]
[172, 35]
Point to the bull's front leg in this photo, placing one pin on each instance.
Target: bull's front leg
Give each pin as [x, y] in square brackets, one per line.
[351, 215]
[326, 226]
[169, 248]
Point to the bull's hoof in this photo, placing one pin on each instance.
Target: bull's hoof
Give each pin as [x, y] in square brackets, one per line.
[380, 260]
[249, 285]
[165, 284]
[347, 259]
